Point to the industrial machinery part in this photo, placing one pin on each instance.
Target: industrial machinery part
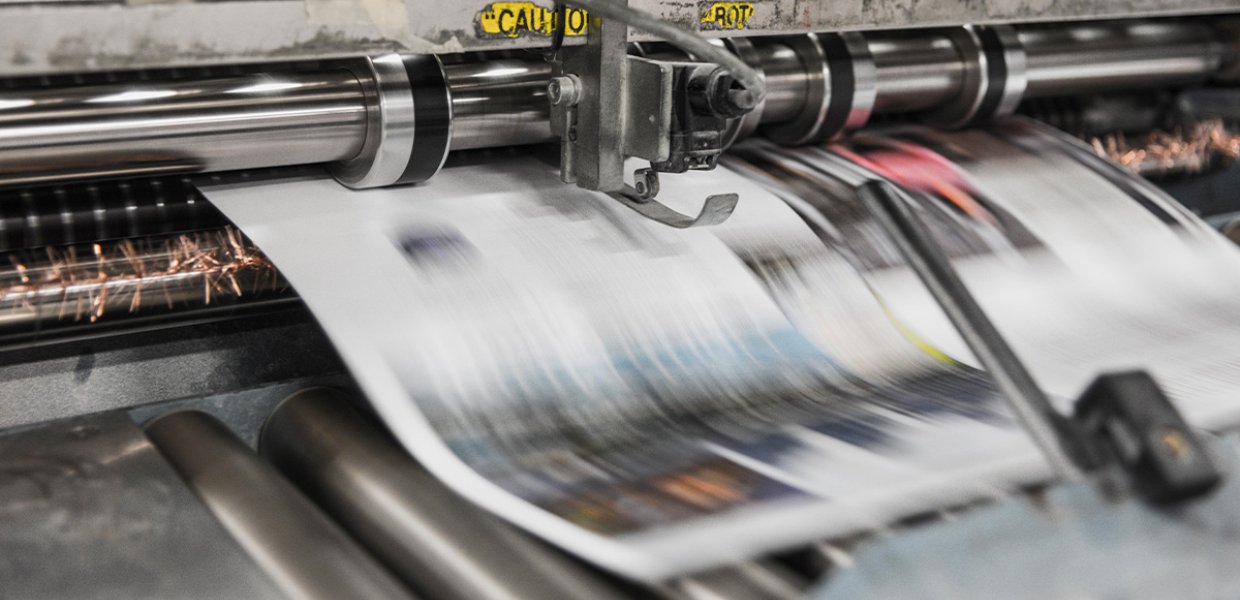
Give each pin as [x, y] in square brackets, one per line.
[391, 119]
[102, 231]
[1122, 421]
[418, 527]
[72, 36]
[57, 288]
[102, 211]
[608, 106]
[76, 490]
[1054, 434]
[306, 554]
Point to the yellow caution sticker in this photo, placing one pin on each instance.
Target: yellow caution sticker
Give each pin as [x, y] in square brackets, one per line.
[519, 19]
[727, 15]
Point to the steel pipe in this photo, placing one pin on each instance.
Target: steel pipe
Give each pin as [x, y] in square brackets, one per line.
[304, 552]
[432, 538]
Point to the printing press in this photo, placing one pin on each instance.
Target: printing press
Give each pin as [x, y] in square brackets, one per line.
[619, 298]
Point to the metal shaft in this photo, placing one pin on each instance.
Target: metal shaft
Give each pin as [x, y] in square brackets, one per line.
[1041, 420]
[304, 552]
[340, 115]
[245, 122]
[915, 72]
[180, 126]
[435, 540]
[918, 71]
[499, 103]
[1096, 58]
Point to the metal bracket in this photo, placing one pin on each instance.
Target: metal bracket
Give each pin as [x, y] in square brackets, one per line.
[608, 106]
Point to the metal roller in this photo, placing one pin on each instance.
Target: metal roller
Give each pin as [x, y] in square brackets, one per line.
[55, 291]
[180, 126]
[915, 72]
[966, 105]
[429, 536]
[392, 119]
[361, 120]
[499, 103]
[102, 211]
[363, 117]
[304, 552]
[1115, 56]
[958, 75]
[814, 80]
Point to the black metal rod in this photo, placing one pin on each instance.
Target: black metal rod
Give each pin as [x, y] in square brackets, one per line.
[1051, 430]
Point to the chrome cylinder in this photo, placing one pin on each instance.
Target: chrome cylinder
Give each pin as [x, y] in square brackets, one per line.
[811, 114]
[435, 540]
[786, 85]
[390, 125]
[360, 120]
[305, 553]
[915, 71]
[1081, 59]
[180, 126]
[499, 103]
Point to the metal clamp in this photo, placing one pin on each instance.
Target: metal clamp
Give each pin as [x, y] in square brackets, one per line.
[716, 209]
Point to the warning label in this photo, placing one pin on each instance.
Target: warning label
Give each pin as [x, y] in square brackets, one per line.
[727, 15]
[518, 19]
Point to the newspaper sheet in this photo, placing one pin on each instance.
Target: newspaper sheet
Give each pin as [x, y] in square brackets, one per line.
[659, 401]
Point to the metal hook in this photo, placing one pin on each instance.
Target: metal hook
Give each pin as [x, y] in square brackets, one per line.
[715, 210]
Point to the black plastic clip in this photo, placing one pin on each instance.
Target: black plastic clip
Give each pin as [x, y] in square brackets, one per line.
[1131, 420]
